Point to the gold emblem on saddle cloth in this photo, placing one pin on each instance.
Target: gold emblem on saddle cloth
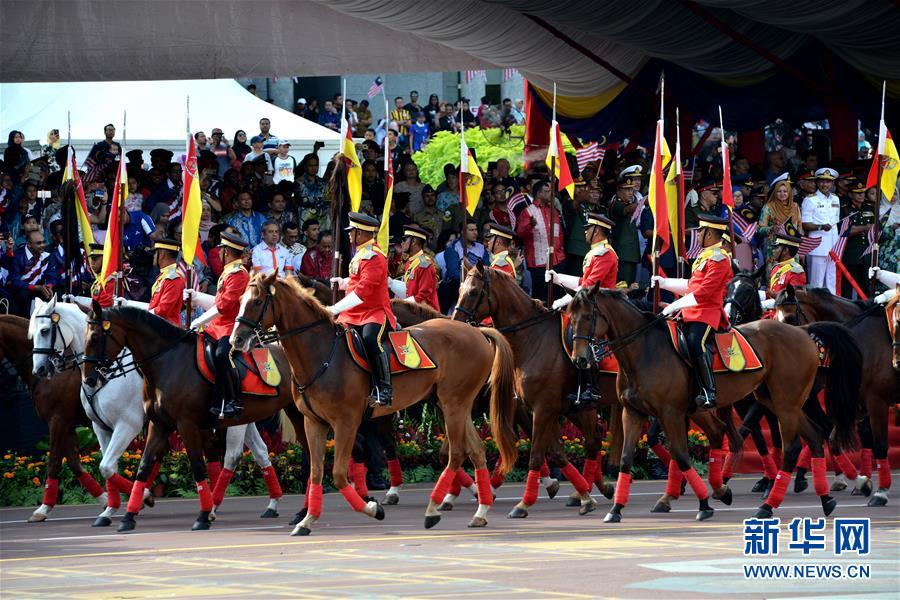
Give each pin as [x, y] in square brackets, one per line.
[732, 356]
[407, 353]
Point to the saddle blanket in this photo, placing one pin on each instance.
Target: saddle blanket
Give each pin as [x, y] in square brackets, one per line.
[607, 365]
[258, 371]
[404, 352]
[733, 352]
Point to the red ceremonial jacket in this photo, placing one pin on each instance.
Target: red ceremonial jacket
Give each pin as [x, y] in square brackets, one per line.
[104, 295]
[231, 286]
[784, 273]
[167, 294]
[502, 262]
[601, 265]
[369, 279]
[420, 277]
[709, 278]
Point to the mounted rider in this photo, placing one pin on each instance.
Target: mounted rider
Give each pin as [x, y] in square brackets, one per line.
[701, 305]
[497, 241]
[601, 265]
[167, 292]
[419, 282]
[367, 305]
[88, 282]
[787, 269]
[221, 311]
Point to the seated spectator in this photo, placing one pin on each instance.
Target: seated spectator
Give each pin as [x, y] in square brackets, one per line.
[432, 111]
[310, 191]
[363, 118]
[246, 221]
[330, 117]
[316, 263]
[430, 217]
[33, 273]
[290, 239]
[409, 183]
[310, 233]
[269, 256]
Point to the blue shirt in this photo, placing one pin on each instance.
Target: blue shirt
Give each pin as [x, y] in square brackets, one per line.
[250, 227]
[419, 133]
[332, 118]
[474, 252]
[137, 232]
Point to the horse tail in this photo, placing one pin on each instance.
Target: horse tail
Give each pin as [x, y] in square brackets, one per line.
[503, 398]
[843, 377]
[725, 417]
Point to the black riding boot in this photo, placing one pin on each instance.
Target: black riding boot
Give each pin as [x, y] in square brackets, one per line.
[382, 393]
[706, 399]
[587, 395]
[230, 382]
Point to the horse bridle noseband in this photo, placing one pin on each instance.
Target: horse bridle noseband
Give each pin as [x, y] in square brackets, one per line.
[484, 293]
[57, 357]
[603, 348]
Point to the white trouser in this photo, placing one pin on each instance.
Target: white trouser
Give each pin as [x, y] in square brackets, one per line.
[821, 272]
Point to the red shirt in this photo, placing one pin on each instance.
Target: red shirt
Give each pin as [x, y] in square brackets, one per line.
[231, 287]
[502, 262]
[601, 265]
[537, 239]
[709, 278]
[784, 273]
[167, 294]
[420, 277]
[368, 278]
[316, 265]
[104, 295]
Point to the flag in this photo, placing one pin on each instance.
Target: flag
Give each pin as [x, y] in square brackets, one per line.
[808, 244]
[516, 202]
[470, 179]
[472, 74]
[354, 169]
[509, 74]
[81, 211]
[870, 237]
[689, 174]
[694, 247]
[675, 200]
[384, 235]
[744, 228]
[112, 243]
[727, 192]
[658, 200]
[843, 237]
[191, 205]
[890, 163]
[590, 153]
[376, 88]
[561, 166]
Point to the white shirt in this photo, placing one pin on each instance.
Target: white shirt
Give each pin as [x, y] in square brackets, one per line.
[820, 209]
[283, 168]
[267, 260]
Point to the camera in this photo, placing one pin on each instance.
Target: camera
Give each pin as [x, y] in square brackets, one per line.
[97, 199]
[43, 194]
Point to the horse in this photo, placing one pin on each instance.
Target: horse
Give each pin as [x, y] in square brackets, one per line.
[654, 379]
[894, 326]
[880, 386]
[176, 396]
[56, 402]
[331, 389]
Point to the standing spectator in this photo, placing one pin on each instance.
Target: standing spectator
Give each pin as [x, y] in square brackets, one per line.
[316, 263]
[15, 156]
[448, 192]
[820, 213]
[468, 116]
[283, 164]
[533, 227]
[48, 150]
[240, 147]
[33, 273]
[269, 256]
[483, 113]
[270, 140]
[862, 217]
[492, 207]
[413, 107]
[363, 118]
[778, 210]
[310, 191]
[518, 111]
[450, 259]
[330, 117]
[352, 119]
[430, 217]
[102, 155]
[201, 141]
[310, 233]
[412, 185]
[290, 239]
[245, 220]
[432, 111]
[372, 186]
[625, 242]
[223, 151]
[257, 152]
[446, 119]
[401, 116]
[419, 132]
[312, 111]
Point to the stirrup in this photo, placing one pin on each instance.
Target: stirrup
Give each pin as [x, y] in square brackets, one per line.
[705, 400]
[378, 399]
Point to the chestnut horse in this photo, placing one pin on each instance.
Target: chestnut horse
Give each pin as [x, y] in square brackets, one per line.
[176, 395]
[880, 387]
[331, 389]
[654, 380]
[894, 323]
[58, 403]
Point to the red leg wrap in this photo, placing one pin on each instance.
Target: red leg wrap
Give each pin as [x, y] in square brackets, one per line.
[803, 459]
[696, 484]
[221, 485]
[865, 459]
[136, 499]
[531, 488]
[578, 482]
[153, 473]
[113, 499]
[770, 470]
[779, 488]
[51, 492]
[352, 498]
[660, 451]
[884, 473]
[272, 482]
[396, 472]
[123, 485]
[206, 500]
[90, 484]
[314, 499]
[728, 467]
[212, 470]
[483, 483]
[496, 477]
[846, 465]
[463, 479]
[673, 483]
[777, 456]
[716, 463]
[820, 476]
[623, 487]
[359, 479]
[455, 487]
[442, 485]
[589, 471]
[545, 469]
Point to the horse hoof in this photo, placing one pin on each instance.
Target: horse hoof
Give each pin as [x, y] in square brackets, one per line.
[828, 505]
[37, 518]
[661, 507]
[126, 526]
[391, 500]
[763, 512]
[759, 486]
[302, 531]
[270, 513]
[573, 501]
[704, 514]
[379, 513]
[725, 480]
[864, 490]
[299, 516]
[587, 508]
[432, 521]
[553, 489]
[726, 498]
[150, 501]
[445, 506]
[518, 513]
[608, 491]
[212, 514]
[477, 522]
[612, 518]
[879, 498]
[200, 525]
[102, 522]
[800, 484]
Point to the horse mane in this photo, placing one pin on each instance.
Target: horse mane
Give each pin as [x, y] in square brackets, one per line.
[305, 296]
[420, 310]
[538, 305]
[158, 324]
[825, 294]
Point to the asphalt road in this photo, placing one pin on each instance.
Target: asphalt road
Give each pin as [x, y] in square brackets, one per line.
[553, 553]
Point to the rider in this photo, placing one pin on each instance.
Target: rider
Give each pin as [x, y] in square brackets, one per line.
[367, 305]
[222, 311]
[102, 294]
[601, 265]
[888, 278]
[787, 270]
[167, 293]
[497, 242]
[419, 283]
[701, 307]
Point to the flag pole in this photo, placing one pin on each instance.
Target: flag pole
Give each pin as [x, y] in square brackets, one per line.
[120, 224]
[68, 242]
[188, 309]
[552, 237]
[339, 185]
[387, 151]
[462, 192]
[661, 128]
[877, 225]
[724, 150]
[679, 220]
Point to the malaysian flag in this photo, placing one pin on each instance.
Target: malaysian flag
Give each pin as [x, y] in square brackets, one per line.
[808, 244]
[471, 74]
[694, 247]
[589, 153]
[844, 233]
[870, 237]
[745, 229]
[509, 74]
[514, 205]
[376, 88]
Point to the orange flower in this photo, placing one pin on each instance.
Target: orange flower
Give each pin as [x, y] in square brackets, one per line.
[7, 456]
[35, 481]
[128, 473]
[8, 475]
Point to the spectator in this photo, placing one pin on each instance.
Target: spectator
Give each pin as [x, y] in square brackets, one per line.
[448, 289]
[316, 263]
[410, 184]
[518, 111]
[350, 114]
[225, 154]
[246, 221]
[283, 165]
[33, 273]
[49, 150]
[821, 213]
[533, 227]
[778, 210]
[300, 108]
[862, 217]
[270, 140]
[310, 191]
[448, 192]
[468, 117]
[430, 217]
[373, 186]
[240, 147]
[200, 141]
[432, 112]
[258, 152]
[363, 118]
[15, 156]
[312, 110]
[446, 119]
[310, 233]
[492, 208]
[482, 113]
[290, 239]
[252, 89]
[774, 165]
[269, 256]
[419, 132]
[413, 107]
[330, 117]
[102, 155]
[401, 116]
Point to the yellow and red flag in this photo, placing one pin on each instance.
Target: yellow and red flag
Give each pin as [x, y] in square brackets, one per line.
[113, 242]
[890, 164]
[674, 200]
[354, 169]
[727, 193]
[658, 198]
[384, 234]
[470, 180]
[191, 205]
[560, 167]
[84, 224]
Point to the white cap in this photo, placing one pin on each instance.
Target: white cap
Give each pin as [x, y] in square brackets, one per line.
[283, 143]
[301, 101]
[632, 171]
[782, 177]
[826, 173]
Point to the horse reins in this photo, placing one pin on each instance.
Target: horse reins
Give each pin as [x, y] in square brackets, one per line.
[64, 364]
[485, 293]
[603, 348]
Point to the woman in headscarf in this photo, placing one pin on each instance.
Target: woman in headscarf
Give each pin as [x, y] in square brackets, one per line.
[889, 240]
[779, 208]
[15, 156]
[240, 146]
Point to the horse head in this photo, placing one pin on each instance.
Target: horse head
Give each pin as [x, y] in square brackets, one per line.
[787, 307]
[53, 330]
[742, 303]
[103, 341]
[255, 314]
[590, 326]
[893, 311]
[473, 304]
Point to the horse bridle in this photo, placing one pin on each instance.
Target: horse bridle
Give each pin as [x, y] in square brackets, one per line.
[800, 314]
[484, 293]
[57, 357]
[603, 348]
[113, 368]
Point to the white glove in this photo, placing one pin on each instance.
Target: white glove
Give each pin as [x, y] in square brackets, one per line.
[410, 299]
[885, 297]
[341, 281]
[763, 296]
[205, 318]
[886, 277]
[768, 304]
[349, 301]
[684, 302]
[119, 301]
[570, 282]
[672, 284]
[548, 275]
[134, 304]
[873, 272]
[204, 301]
[68, 298]
[557, 304]
[397, 287]
[79, 300]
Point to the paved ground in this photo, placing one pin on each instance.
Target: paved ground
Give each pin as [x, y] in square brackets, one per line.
[553, 553]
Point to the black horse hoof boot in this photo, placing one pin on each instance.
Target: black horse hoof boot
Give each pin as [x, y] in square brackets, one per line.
[202, 523]
[127, 523]
[301, 514]
[763, 512]
[828, 504]
[432, 521]
[102, 522]
[760, 486]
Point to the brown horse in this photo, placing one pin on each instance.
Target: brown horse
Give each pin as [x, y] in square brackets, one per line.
[176, 395]
[894, 324]
[880, 387]
[331, 389]
[654, 380]
[58, 403]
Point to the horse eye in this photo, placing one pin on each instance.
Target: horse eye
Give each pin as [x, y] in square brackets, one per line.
[44, 331]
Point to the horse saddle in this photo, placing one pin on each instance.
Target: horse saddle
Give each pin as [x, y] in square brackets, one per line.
[609, 364]
[733, 353]
[257, 370]
[404, 352]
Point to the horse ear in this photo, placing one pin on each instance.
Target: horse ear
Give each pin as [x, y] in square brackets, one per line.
[84, 309]
[467, 265]
[789, 290]
[96, 308]
[52, 304]
[479, 266]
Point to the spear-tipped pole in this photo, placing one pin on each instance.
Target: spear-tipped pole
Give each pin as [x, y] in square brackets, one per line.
[724, 158]
[338, 190]
[462, 192]
[188, 309]
[679, 215]
[876, 231]
[658, 150]
[552, 237]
